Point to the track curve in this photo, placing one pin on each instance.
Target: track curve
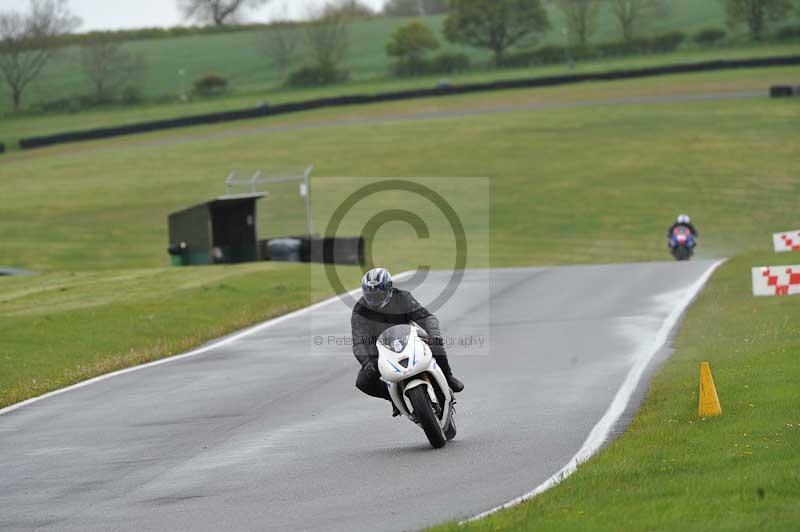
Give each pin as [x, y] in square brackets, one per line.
[267, 432]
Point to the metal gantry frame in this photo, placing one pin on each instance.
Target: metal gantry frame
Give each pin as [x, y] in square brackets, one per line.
[259, 178]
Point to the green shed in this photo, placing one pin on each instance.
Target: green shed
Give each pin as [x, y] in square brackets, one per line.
[219, 231]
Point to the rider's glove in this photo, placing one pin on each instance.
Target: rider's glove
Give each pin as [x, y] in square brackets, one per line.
[370, 369]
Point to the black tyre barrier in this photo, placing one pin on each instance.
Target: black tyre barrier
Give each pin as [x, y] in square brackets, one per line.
[441, 90]
[784, 91]
[334, 250]
[2, 147]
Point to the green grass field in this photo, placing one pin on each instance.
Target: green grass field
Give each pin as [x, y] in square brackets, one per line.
[235, 55]
[255, 80]
[96, 208]
[588, 184]
[15, 127]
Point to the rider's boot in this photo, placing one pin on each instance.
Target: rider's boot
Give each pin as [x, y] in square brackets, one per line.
[455, 384]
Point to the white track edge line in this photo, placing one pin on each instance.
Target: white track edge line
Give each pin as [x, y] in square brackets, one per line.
[597, 437]
[199, 351]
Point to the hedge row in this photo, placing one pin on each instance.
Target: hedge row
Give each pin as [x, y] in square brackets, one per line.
[547, 55]
[441, 90]
[445, 63]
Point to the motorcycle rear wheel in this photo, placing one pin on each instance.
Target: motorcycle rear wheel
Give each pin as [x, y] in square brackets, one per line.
[423, 412]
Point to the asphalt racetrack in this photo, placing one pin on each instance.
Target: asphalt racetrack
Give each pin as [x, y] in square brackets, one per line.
[267, 432]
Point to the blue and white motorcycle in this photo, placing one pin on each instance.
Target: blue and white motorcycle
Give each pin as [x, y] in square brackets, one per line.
[416, 383]
[682, 243]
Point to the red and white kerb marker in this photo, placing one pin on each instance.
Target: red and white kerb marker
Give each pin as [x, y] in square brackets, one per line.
[789, 241]
[776, 280]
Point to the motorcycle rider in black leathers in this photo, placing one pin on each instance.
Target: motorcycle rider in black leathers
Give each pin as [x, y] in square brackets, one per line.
[682, 221]
[381, 307]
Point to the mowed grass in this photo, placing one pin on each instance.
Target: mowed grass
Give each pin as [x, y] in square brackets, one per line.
[61, 328]
[673, 470]
[568, 185]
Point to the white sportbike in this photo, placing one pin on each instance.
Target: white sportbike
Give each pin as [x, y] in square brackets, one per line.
[416, 383]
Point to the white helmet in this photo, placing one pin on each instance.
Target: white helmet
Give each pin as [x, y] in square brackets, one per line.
[684, 219]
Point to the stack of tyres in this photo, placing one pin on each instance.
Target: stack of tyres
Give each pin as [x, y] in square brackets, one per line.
[783, 91]
[285, 249]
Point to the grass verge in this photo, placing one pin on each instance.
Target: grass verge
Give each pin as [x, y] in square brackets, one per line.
[62, 328]
[673, 470]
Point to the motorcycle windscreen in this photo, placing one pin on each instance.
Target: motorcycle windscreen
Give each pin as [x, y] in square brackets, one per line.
[395, 338]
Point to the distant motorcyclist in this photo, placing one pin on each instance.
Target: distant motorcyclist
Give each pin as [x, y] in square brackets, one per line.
[383, 306]
[683, 220]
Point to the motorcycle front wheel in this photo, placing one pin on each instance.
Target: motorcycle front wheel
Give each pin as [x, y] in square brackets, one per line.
[423, 412]
[682, 253]
[450, 431]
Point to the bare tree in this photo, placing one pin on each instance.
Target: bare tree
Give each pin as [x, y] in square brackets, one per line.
[279, 43]
[218, 12]
[109, 67]
[26, 42]
[581, 18]
[633, 14]
[328, 37]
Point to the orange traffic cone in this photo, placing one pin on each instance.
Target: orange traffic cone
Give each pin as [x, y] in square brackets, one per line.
[709, 401]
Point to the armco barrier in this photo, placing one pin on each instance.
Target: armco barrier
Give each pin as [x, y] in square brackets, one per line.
[361, 99]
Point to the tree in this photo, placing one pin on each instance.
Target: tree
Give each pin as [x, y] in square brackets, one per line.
[26, 42]
[414, 8]
[218, 12]
[410, 42]
[495, 24]
[279, 44]
[581, 18]
[109, 68]
[328, 38]
[633, 14]
[756, 13]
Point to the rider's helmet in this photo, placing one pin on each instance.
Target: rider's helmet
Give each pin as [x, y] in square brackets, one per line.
[684, 219]
[376, 285]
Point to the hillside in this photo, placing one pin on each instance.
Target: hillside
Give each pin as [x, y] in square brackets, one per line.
[236, 57]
